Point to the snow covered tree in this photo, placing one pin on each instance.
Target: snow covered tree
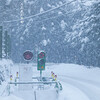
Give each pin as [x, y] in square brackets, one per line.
[89, 35]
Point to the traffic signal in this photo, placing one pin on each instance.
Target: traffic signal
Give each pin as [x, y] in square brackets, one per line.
[41, 61]
[41, 55]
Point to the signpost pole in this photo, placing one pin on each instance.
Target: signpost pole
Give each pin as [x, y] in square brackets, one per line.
[27, 62]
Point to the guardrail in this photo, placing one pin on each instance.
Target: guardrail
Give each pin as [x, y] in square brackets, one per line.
[32, 82]
[52, 81]
[37, 77]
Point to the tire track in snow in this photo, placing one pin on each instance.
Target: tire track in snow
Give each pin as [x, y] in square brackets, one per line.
[92, 91]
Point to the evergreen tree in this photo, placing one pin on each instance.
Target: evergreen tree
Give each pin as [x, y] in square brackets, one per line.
[89, 30]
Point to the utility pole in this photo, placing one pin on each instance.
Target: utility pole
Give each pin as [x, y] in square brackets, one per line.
[7, 45]
[21, 13]
[0, 42]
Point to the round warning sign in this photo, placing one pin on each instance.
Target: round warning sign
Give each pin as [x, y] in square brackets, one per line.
[28, 55]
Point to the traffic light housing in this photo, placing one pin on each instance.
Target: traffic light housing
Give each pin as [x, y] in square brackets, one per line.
[41, 61]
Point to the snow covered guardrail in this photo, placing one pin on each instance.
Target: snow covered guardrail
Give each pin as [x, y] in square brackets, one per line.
[32, 82]
[57, 84]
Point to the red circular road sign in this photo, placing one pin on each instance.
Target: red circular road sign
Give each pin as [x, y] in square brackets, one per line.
[28, 55]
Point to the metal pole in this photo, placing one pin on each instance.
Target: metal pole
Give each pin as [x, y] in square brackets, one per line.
[35, 94]
[40, 75]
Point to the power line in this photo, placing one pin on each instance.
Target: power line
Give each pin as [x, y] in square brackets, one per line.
[50, 18]
[54, 17]
[40, 13]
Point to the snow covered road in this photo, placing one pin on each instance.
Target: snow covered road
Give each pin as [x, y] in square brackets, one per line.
[79, 82]
[89, 90]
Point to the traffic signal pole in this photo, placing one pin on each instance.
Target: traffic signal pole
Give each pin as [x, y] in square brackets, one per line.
[41, 63]
[40, 75]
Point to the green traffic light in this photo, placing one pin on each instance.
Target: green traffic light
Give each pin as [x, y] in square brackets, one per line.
[41, 61]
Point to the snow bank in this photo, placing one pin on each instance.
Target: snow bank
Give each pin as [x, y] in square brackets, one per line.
[5, 62]
[5, 67]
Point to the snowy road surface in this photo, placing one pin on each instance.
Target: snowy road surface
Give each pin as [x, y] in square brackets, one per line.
[79, 82]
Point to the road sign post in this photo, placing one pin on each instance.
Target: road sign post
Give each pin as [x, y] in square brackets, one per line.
[41, 63]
